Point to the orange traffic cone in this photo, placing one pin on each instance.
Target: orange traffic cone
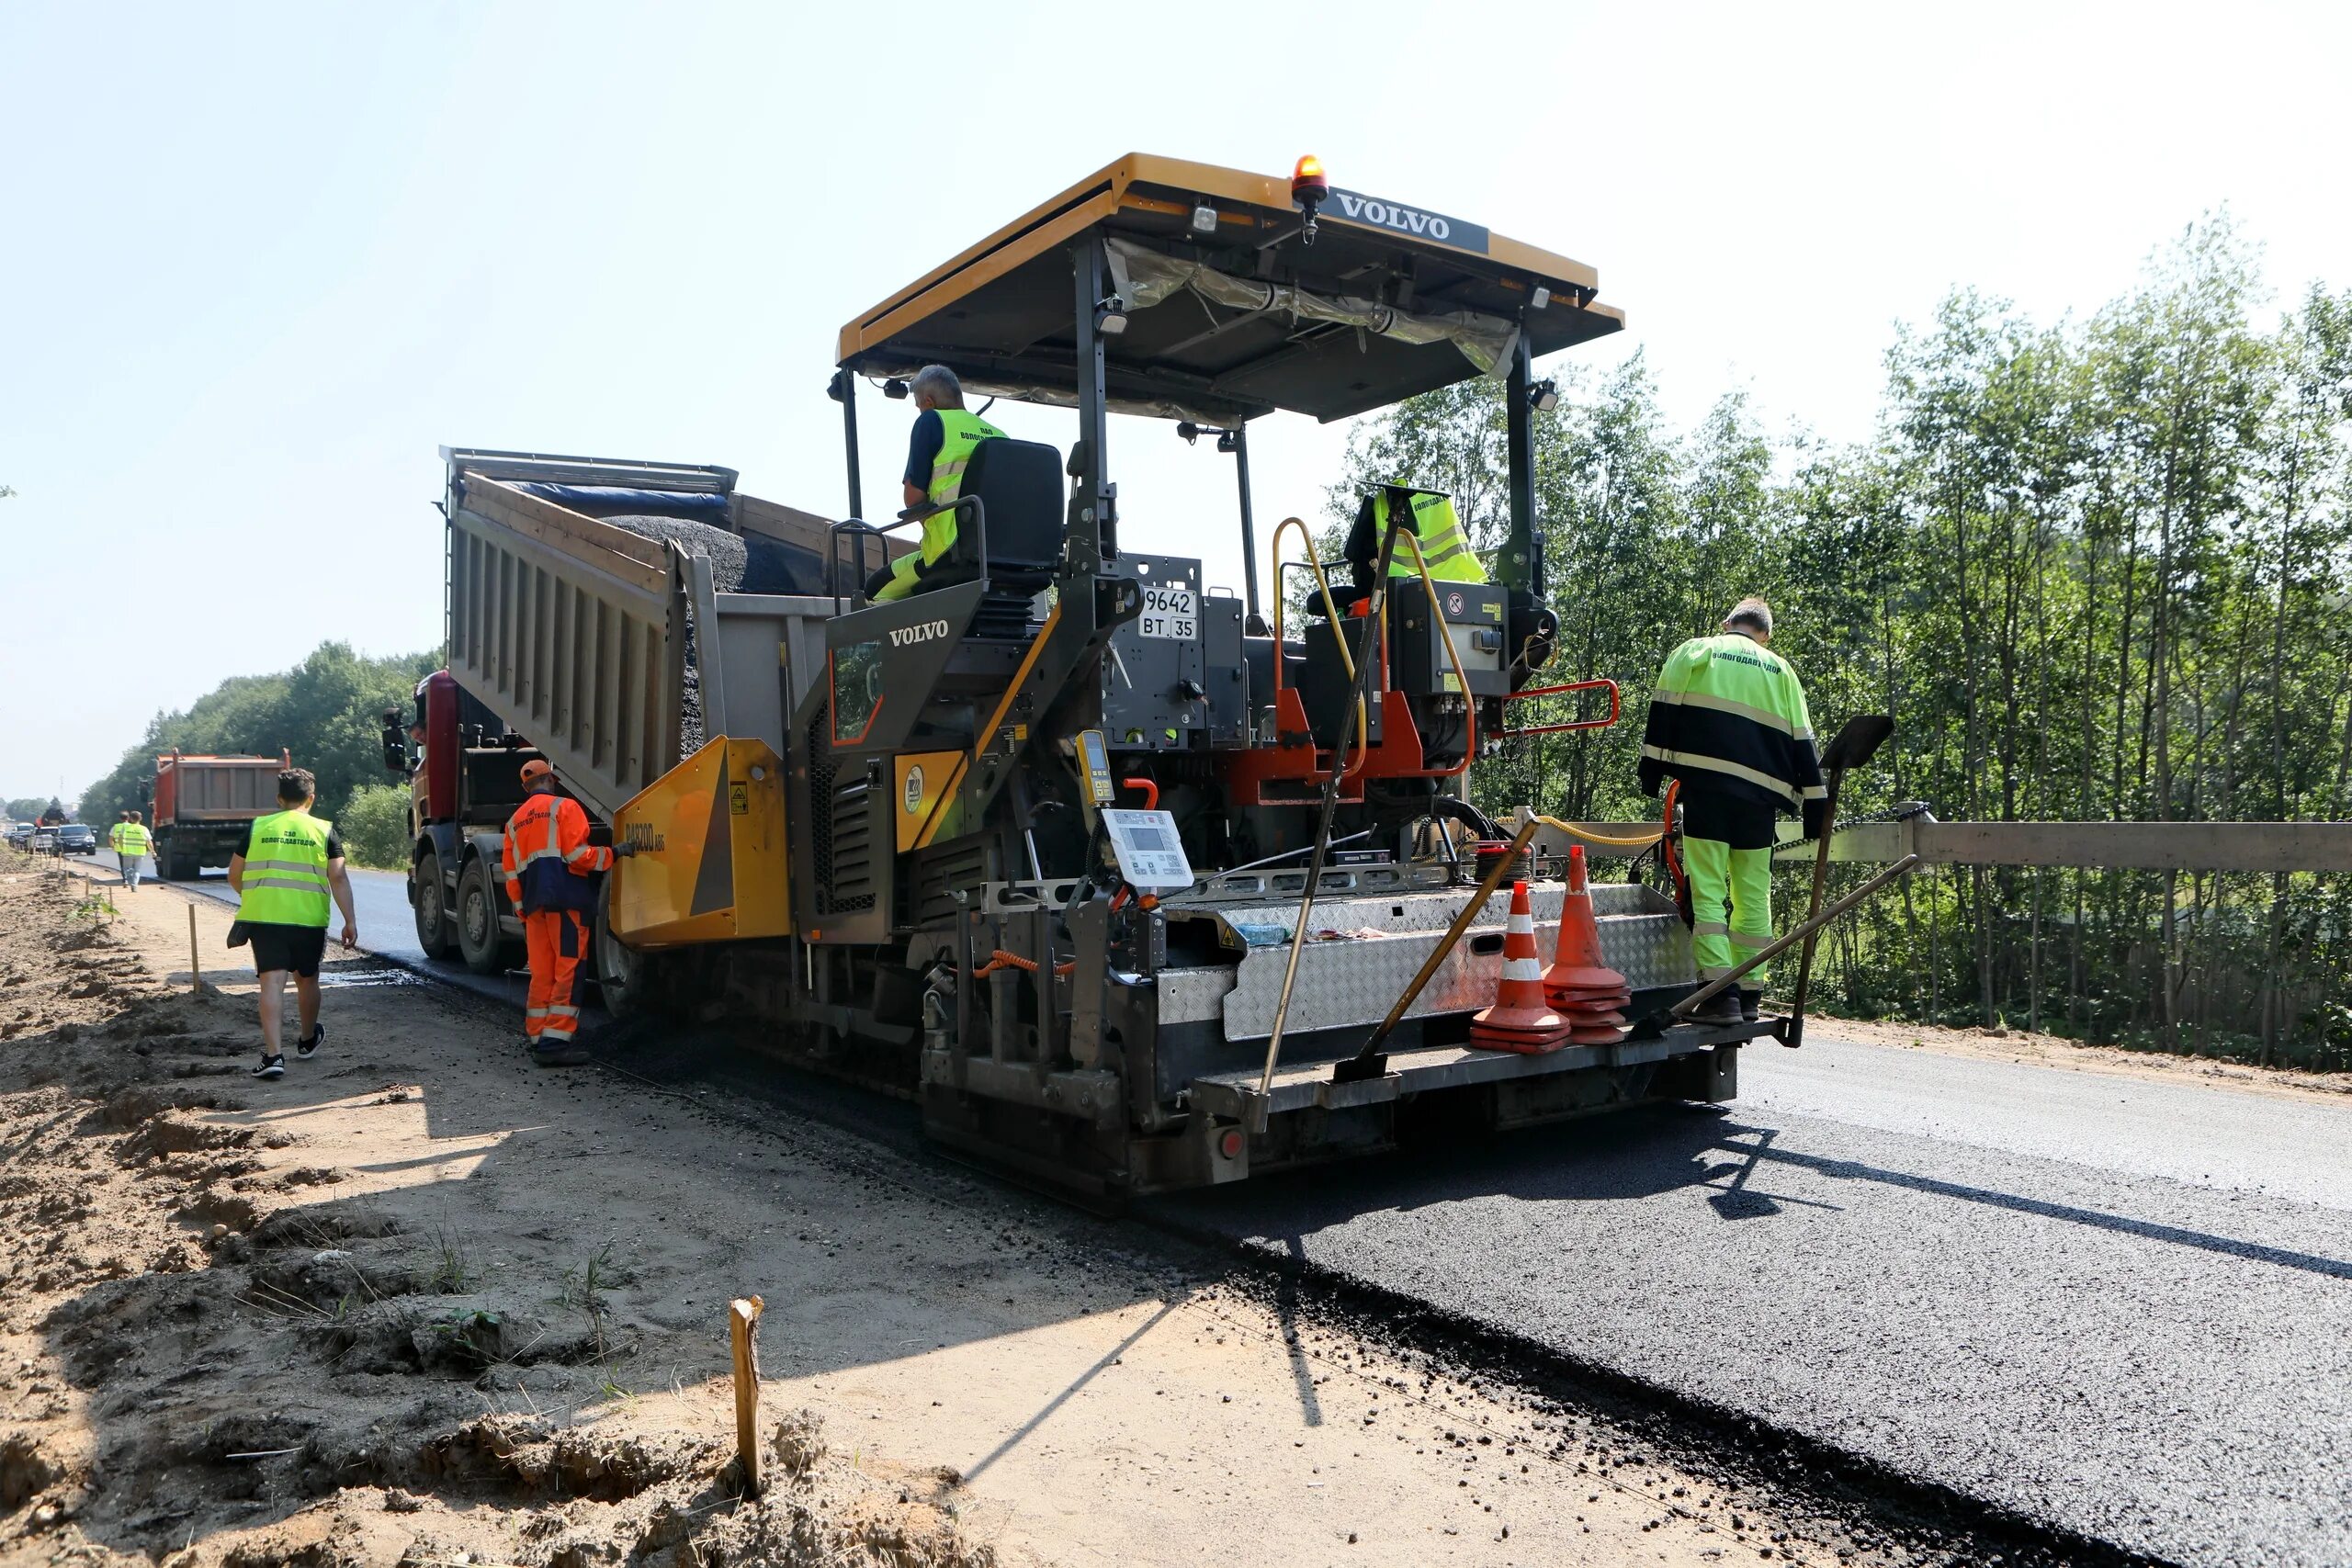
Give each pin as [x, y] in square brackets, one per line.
[1520, 1020]
[1578, 983]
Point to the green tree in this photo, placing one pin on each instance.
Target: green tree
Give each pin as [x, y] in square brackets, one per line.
[326, 713]
[374, 826]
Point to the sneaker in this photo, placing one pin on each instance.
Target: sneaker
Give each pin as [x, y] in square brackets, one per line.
[1751, 1005]
[306, 1049]
[563, 1056]
[1718, 1009]
[271, 1067]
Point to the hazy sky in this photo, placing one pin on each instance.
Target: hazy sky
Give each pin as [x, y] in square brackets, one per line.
[257, 262]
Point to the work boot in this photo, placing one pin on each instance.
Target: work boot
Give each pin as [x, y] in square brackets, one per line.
[559, 1055]
[1751, 1004]
[1721, 1009]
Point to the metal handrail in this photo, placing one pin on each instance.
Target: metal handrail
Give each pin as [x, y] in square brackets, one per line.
[1615, 705]
[862, 529]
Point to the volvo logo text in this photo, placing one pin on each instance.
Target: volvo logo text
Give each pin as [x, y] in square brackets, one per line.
[1354, 207]
[1388, 215]
[923, 631]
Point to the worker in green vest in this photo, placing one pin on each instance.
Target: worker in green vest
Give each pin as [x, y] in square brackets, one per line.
[291, 866]
[1728, 719]
[1445, 544]
[131, 844]
[938, 448]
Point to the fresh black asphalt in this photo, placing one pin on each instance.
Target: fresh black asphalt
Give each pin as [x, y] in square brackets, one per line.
[2119, 1307]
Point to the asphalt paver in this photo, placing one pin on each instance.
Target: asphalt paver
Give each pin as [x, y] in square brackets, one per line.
[2117, 1308]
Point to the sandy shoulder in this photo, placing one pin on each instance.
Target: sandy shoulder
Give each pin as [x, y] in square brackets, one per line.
[2052, 1050]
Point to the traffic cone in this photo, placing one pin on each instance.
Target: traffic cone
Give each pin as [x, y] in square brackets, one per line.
[1520, 1020]
[1578, 983]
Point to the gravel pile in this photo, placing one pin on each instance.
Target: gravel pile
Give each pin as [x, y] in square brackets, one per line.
[737, 564]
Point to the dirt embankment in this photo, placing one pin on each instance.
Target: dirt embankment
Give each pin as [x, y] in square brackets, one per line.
[210, 1355]
[417, 1303]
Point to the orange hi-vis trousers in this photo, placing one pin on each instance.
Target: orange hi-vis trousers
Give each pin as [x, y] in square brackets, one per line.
[556, 939]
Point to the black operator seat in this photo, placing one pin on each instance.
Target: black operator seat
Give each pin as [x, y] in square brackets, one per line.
[1019, 484]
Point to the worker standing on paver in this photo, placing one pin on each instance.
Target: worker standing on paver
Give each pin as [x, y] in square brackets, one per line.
[291, 866]
[549, 865]
[938, 448]
[1728, 719]
[1446, 545]
[130, 842]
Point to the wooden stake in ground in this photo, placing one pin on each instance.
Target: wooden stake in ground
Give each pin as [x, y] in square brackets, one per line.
[742, 1325]
[195, 969]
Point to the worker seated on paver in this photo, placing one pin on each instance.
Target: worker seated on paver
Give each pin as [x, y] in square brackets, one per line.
[1445, 544]
[1728, 719]
[938, 450]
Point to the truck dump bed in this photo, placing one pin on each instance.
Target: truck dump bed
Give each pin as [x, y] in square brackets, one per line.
[202, 788]
[585, 637]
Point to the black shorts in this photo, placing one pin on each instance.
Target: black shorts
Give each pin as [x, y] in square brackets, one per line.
[297, 948]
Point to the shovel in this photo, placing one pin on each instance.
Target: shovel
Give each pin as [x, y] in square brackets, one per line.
[1854, 745]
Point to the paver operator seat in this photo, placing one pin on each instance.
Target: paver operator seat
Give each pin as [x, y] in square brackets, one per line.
[1019, 487]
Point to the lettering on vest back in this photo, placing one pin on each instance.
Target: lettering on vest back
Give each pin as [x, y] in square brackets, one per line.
[923, 631]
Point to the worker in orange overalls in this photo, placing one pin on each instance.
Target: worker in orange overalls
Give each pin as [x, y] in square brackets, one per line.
[549, 865]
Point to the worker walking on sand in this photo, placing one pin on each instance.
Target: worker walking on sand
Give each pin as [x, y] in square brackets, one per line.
[1728, 719]
[291, 865]
[550, 866]
[130, 842]
[938, 448]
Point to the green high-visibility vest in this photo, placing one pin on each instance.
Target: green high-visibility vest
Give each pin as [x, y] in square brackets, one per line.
[961, 433]
[286, 870]
[130, 839]
[1445, 546]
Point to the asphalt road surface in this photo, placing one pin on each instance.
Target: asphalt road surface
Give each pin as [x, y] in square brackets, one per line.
[2121, 1307]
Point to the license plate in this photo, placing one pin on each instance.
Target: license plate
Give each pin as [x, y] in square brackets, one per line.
[1172, 612]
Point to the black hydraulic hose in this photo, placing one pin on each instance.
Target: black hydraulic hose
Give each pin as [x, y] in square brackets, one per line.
[1455, 810]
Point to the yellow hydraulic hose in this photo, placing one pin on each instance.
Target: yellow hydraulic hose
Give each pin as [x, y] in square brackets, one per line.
[1332, 611]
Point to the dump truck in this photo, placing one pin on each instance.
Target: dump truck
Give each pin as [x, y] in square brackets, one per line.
[202, 808]
[1133, 882]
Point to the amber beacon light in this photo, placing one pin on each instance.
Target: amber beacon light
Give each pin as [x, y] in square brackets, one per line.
[1308, 187]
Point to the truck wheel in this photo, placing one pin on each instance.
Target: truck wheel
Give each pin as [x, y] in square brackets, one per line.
[479, 943]
[435, 931]
[630, 980]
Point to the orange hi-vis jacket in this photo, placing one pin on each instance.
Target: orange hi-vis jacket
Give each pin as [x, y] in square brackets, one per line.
[548, 858]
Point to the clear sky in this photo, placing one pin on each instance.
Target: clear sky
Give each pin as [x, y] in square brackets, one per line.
[257, 262]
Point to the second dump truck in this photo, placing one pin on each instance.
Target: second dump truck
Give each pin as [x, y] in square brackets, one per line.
[1135, 882]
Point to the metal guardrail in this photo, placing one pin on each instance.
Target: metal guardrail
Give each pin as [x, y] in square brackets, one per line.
[2145, 846]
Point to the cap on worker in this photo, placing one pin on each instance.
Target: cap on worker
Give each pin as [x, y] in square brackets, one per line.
[536, 769]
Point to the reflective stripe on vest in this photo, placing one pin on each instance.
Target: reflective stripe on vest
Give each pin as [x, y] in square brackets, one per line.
[1445, 546]
[286, 870]
[959, 433]
[546, 848]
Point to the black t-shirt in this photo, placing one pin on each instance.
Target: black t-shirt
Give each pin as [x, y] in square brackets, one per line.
[923, 442]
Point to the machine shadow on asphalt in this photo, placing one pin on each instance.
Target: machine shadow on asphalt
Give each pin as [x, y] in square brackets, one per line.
[1638, 1155]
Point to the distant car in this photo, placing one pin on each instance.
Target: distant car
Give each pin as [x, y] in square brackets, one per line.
[44, 841]
[21, 833]
[78, 839]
